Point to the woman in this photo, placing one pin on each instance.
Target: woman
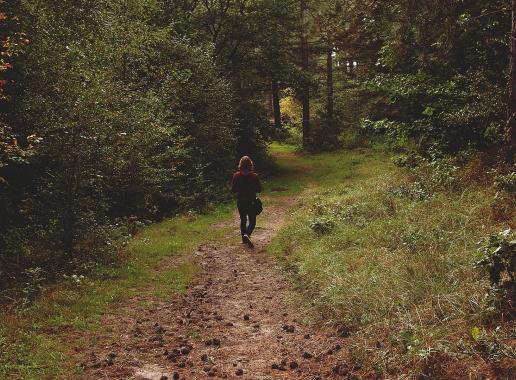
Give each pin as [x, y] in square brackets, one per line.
[246, 184]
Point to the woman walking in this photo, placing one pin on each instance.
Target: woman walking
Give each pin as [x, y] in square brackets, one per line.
[246, 184]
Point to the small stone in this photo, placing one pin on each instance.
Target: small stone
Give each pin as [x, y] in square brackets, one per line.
[163, 377]
[137, 331]
[344, 332]
[341, 369]
[293, 365]
[307, 336]
[175, 376]
[185, 350]
[213, 342]
[246, 317]
[172, 358]
[239, 372]
[307, 355]
[275, 366]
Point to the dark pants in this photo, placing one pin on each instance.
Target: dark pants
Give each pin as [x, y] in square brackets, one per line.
[245, 209]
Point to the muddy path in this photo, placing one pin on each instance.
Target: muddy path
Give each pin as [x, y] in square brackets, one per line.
[239, 319]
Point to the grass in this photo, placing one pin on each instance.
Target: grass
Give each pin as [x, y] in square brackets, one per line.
[31, 340]
[174, 281]
[389, 255]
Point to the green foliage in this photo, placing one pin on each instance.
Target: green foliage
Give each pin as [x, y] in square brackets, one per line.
[451, 114]
[506, 182]
[498, 258]
[433, 72]
[322, 225]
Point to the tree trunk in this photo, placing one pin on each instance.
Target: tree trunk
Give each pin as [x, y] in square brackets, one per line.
[305, 97]
[511, 108]
[276, 103]
[329, 80]
[69, 213]
[68, 218]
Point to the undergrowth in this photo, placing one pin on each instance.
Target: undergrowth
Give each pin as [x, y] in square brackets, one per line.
[388, 251]
[33, 343]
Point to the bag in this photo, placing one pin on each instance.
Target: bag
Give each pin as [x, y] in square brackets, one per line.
[257, 206]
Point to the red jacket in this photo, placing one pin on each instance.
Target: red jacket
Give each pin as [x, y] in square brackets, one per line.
[246, 185]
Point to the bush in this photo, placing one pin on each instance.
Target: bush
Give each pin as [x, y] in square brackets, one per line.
[322, 225]
[498, 259]
[450, 114]
[506, 182]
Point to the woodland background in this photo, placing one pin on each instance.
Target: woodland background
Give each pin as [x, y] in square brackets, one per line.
[117, 113]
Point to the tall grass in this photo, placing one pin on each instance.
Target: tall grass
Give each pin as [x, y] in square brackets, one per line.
[390, 257]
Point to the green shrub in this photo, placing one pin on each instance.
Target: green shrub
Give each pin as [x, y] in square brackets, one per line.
[322, 225]
[498, 258]
[506, 182]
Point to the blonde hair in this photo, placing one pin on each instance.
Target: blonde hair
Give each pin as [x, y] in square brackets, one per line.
[246, 164]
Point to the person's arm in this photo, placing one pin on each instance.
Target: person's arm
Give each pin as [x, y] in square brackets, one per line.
[258, 185]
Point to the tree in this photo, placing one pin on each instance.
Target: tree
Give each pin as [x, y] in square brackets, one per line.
[305, 91]
[134, 120]
[12, 43]
[511, 105]
[276, 103]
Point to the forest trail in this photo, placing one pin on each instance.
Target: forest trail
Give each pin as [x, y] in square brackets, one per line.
[239, 319]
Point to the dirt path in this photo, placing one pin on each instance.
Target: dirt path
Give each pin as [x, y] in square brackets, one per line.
[239, 320]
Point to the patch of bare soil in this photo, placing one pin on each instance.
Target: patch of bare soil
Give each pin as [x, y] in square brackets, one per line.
[240, 320]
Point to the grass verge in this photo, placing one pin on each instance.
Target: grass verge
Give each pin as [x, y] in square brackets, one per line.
[31, 340]
[389, 256]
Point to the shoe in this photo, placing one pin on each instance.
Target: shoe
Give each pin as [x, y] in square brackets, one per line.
[248, 241]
